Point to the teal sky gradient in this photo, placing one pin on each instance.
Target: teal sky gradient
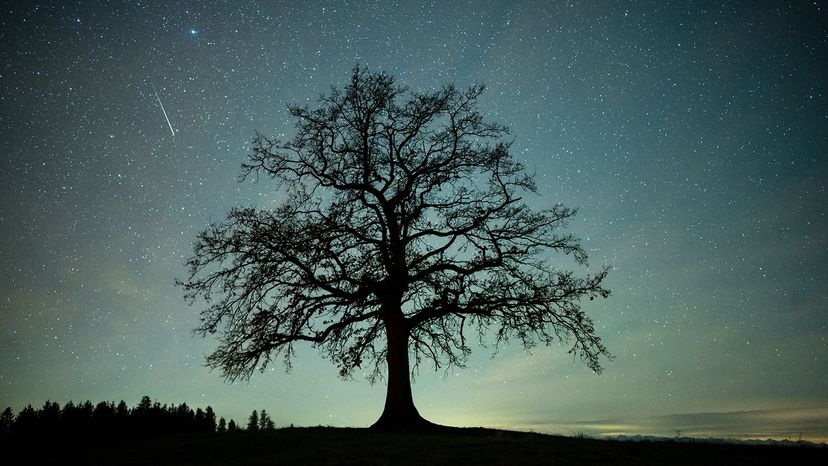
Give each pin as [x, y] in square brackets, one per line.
[690, 136]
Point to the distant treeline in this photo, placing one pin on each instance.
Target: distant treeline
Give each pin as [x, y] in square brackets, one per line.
[104, 421]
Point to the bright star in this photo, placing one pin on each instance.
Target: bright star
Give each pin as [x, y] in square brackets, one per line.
[193, 32]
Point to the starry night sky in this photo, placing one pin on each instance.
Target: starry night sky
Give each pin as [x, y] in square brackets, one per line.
[692, 136]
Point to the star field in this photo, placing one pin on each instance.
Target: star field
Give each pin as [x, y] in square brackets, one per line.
[690, 136]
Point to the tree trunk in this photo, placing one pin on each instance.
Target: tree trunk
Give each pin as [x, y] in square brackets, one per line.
[400, 412]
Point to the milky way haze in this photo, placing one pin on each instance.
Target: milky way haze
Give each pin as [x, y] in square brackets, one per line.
[692, 139]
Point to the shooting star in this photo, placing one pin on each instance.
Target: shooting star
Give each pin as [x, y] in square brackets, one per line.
[162, 108]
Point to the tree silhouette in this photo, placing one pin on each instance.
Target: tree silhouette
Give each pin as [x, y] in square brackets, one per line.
[253, 422]
[25, 427]
[402, 229]
[222, 425]
[265, 423]
[49, 419]
[231, 426]
[209, 422]
[200, 419]
[144, 405]
[6, 420]
[50, 426]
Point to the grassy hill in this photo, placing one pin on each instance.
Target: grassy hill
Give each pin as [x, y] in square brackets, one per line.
[341, 446]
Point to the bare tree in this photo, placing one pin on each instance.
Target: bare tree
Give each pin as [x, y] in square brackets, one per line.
[402, 231]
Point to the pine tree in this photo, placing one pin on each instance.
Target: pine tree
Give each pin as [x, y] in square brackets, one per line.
[265, 423]
[253, 421]
[209, 420]
[6, 421]
[231, 426]
[222, 425]
[122, 410]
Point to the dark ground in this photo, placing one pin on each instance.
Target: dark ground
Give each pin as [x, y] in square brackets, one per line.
[335, 446]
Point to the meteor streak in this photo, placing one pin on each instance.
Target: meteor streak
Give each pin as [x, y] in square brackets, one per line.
[162, 109]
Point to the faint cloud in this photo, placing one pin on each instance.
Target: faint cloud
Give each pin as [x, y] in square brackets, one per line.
[810, 423]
